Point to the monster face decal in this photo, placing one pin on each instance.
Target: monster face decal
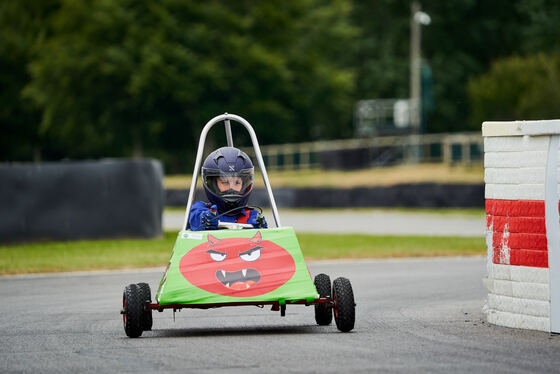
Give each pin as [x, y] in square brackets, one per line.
[239, 267]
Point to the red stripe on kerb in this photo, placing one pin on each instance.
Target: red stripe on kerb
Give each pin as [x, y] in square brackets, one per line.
[524, 257]
[522, 225]
[521, 241]
[518, 232]
[515, 208]
[520, 257]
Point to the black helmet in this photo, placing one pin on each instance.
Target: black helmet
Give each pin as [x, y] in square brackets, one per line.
[227, 176]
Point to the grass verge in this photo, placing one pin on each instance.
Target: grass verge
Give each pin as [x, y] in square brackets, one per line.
[381, 176]
[85, 255]
[137, 253]
[318, 246]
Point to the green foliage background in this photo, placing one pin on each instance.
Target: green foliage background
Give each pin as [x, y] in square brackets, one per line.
[109, 78]
[527, 87]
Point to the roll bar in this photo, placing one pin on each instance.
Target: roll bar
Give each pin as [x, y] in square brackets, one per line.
[226, 118]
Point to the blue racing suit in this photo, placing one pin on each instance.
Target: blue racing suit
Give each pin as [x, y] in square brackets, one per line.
[201, 212]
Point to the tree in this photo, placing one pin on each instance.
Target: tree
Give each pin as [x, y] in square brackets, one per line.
[517, 88]
[129, 75]
[538, 22]
[22, 25]
[464, 37]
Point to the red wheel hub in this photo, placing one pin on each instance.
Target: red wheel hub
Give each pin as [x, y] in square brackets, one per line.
[124, 314]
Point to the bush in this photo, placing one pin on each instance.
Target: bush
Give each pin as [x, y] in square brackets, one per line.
[517, 88]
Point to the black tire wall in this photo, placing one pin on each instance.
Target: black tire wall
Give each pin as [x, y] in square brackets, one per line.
[78, 200]
[432, 195]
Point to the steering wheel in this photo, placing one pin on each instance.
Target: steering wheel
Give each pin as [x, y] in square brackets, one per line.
[234, 225]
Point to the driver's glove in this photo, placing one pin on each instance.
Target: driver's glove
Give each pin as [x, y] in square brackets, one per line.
[209, 219]
[258, 222]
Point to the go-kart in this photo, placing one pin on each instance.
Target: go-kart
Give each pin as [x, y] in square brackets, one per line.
[238, 265]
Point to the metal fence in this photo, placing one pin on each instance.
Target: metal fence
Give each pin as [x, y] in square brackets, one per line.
[449, 148]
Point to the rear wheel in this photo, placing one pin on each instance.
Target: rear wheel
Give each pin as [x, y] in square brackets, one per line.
[344, 306]
[133, 309]
[147, 321]
[323, 313]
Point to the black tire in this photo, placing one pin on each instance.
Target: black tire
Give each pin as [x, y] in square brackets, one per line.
[133, 308]
[323, 313]
[344, 306]
[147, 320]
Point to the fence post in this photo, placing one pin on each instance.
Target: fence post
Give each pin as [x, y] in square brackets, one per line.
[446, 145]
[466, 151]
[273, 159]
[304, 159]
[289, 158]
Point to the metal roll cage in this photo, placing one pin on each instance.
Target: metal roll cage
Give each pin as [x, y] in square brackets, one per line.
[226, 118]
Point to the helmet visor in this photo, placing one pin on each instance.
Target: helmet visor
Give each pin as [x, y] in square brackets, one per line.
[228, 184]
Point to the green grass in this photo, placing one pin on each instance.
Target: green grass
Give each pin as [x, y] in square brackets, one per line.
[137, 253]
[85, 255]
[318, 246]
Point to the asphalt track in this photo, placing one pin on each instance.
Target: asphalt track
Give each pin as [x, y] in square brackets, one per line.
[413, 315]
[374, 222]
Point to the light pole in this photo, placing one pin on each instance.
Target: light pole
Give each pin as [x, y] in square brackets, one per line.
[417, 19]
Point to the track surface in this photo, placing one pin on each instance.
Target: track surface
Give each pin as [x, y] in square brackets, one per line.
[373, 222]
[412, 316]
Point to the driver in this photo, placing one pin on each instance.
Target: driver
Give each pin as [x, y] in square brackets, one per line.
[227, 177]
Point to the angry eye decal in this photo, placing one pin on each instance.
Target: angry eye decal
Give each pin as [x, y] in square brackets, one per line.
[216, 256]
[238, 267]
[251, 255]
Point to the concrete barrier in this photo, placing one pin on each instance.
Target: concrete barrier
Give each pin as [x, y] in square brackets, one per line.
[523, 224]
[78, 200]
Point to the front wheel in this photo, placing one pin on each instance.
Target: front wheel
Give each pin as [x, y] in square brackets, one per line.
[323, 312]
[133, 310]
[147, 320]
[344, 306]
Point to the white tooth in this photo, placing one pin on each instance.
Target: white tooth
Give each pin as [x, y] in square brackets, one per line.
[227, 285]
[246, 285]
[244, 272]
[223, 273]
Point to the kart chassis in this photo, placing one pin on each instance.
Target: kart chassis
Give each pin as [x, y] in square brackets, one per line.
[276, 305]
[226, 119]
[138, 317]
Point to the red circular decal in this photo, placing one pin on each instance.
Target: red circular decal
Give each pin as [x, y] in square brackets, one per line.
[238, 267]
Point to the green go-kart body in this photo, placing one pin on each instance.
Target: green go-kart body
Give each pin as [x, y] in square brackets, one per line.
[234, 267]
[248, 266]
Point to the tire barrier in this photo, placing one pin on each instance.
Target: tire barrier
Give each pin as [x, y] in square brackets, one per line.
[523, 224]
[405, 195]
[78, 200]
